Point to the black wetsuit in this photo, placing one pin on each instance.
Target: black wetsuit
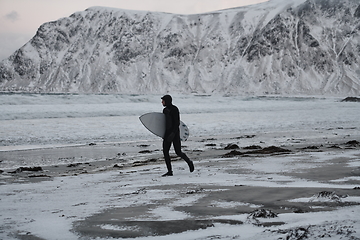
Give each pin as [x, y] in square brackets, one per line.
[172, 135]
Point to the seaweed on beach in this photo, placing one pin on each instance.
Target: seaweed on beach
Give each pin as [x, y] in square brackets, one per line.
[253, 147]
[74, 165]
[27, 169]
[351, 99]
[233, 153]
[267, 150]
[231, 146]
[262, 213]
[353, 143]
[312, 147]
[39, 176]
[145, 151]
[326, 196]
[298, 233]
[201, 190]
[210, 145]
[325, 231]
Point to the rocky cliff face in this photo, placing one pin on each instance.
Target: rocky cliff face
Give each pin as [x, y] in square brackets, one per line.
[277, 47]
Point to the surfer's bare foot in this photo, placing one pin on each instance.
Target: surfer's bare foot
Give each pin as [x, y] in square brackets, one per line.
[191, 166]
[168, 174]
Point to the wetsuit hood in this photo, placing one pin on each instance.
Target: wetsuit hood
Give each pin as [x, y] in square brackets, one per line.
[167, 99]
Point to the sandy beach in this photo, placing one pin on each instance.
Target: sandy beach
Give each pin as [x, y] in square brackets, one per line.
[83, 167]
[243, 187]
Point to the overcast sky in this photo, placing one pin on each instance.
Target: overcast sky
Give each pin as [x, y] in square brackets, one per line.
[20, 19]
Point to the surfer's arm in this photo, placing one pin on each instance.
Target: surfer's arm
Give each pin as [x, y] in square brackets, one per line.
[176, 120]
[168, 123]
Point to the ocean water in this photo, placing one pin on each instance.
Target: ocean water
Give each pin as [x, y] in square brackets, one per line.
[47, 120]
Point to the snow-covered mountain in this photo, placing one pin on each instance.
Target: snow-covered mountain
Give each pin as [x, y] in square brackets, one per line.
[276, 47]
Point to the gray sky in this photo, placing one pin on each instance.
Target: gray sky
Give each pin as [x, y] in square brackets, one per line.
[20, 19]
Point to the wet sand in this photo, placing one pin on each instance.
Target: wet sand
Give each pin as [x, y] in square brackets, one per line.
[237, 184]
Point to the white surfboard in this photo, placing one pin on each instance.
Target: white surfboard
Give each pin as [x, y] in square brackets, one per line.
[155, 122]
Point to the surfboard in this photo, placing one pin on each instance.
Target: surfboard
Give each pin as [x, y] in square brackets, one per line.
[155, 122]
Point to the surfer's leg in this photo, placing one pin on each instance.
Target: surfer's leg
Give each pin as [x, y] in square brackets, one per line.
[177, 147]
[166, 149]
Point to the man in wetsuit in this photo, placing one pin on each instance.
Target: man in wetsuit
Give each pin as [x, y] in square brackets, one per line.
[172, 135]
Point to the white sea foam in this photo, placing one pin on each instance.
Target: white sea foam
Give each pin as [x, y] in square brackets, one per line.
[41, 119]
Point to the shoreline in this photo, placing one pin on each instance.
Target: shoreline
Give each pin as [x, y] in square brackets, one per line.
[98, 151]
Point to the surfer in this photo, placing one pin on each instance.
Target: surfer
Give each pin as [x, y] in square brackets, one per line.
[172, 135]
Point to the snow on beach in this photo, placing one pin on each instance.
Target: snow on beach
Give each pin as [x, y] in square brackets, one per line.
[100, 168]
